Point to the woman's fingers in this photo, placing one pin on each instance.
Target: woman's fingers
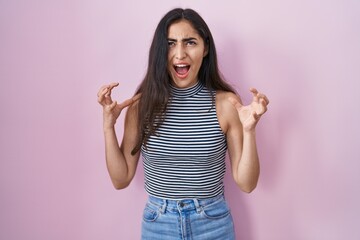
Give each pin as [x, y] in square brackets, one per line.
[130, 101]
[257, 96]
[105, 93]
[136, 97]
[111, 86]
[126, 103]
[102, 90]
[254, 91]
[114, 84]
[263, 104]
[101, 96]
[256, 116]
[107, 87]
[262, 96]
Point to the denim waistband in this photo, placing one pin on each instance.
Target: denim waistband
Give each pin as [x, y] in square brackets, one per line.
[171, 205]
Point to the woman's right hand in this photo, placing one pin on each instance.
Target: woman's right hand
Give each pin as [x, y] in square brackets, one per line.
[111, 109]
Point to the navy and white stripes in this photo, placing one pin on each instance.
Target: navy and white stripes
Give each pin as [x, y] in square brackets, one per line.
[186, 156]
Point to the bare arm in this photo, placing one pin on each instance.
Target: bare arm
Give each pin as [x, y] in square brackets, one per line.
[120, 163]
[238, 122]
[244, 158]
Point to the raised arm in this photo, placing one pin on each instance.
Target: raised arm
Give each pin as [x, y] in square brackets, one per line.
[120, 163]
[238, 123]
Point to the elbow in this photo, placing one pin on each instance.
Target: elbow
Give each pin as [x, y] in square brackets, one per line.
[120, 185]
[246, 187]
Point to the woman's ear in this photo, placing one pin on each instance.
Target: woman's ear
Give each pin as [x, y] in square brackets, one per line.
[206, 50]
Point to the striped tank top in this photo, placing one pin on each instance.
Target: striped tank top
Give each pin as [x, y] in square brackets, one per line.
[186, 156]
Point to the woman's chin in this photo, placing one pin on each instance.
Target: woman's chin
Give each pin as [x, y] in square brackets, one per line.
[183, 83]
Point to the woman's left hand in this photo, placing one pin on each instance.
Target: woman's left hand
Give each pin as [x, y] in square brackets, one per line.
[249, 115]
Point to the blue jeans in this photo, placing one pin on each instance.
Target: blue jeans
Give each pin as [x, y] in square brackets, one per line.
[195, 219]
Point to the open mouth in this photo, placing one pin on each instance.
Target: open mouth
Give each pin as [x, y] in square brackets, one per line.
[182, 70]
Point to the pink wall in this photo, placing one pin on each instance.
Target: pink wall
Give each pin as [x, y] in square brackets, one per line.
[54, 55]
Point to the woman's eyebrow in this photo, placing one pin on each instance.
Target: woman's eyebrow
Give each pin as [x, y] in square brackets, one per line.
[183, 40]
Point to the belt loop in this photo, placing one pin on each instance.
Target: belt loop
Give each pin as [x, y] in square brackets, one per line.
[197, 205]
[163, 207]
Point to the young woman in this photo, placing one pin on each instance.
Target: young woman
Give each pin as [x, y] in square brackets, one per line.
[182, 120]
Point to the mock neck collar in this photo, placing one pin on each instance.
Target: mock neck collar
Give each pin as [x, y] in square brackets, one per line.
[186, 92]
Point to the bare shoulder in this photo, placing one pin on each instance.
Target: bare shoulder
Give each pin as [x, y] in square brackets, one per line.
[226, 112]
[222, 101]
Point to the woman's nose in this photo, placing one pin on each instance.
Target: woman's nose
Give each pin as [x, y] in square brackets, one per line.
[180, 52]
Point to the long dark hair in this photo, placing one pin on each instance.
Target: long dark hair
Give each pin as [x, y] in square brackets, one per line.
[155, 87]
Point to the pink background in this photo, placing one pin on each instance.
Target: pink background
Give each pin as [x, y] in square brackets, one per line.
[54, 56]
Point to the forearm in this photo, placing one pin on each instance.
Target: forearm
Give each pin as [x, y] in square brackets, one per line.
[248, 169]
[115, 160]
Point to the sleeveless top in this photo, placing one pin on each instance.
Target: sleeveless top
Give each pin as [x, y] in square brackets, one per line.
[186, 156]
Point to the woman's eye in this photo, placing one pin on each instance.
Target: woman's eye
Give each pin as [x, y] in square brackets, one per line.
[171, 44]
[191, 43]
